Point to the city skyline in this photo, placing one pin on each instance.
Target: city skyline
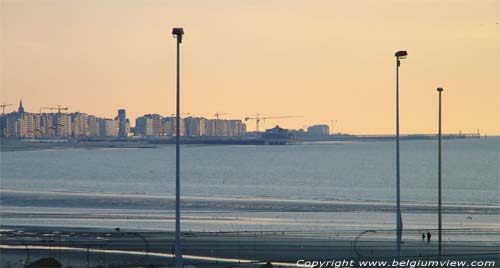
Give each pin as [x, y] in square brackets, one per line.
[25, 124]
[250, 124]
[298, 58]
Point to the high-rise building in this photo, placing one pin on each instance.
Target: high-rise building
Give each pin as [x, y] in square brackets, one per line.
[123, 122]
[149, 125]
[3, 125]
[157, 126]
[143, 126]
[63, 125]
[11, 124]
[242, 129]
[169, 125]
[38, 125]
[211, 127]
[111, 128]
[26, 125]
[93, 123]
[122, 115]
[224, 128]
[80, 122]
[195, 126]
[47, 124]
[108, 127]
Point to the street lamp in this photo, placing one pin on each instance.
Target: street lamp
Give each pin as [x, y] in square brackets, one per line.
[440, 200]
[399, 221]
[177, 33]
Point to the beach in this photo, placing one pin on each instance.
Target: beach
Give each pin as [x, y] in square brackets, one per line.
[77, 247]
[246, 205]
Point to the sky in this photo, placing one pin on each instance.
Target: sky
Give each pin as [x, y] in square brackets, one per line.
[328, 62]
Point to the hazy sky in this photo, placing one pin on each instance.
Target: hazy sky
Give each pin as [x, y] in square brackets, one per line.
[322, 60]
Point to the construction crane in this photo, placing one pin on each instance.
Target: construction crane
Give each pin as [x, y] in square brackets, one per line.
[175, 115]
[258, 118]
[217, 115]
[58, 108]
[333, 124]
[3, 107]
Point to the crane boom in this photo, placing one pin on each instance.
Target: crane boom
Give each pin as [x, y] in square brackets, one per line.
[3, 107]
[217, 115]
[258, 118]
[181, 114]
[59, 108]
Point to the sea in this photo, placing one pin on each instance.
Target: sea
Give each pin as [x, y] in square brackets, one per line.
[335, 187]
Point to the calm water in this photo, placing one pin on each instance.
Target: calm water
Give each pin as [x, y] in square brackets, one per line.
[258, 187]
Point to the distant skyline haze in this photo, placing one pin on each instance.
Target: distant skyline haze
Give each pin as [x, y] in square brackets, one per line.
[321, 60]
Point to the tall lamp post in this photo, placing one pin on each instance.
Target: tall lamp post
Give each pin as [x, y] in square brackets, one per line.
[177, 33]
[440, 200]
[399, 221]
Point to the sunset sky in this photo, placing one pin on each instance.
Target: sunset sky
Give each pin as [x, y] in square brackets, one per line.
[321, 60]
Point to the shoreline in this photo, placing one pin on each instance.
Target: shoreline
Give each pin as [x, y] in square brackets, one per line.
[38, 145]
[17, 144]
[252, 203]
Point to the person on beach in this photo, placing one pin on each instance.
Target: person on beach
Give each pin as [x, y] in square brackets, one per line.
[423, 237]
[429, 237]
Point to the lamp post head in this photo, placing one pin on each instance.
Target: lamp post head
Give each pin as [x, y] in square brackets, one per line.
[401, 54]
[178, 33]
[439, 89]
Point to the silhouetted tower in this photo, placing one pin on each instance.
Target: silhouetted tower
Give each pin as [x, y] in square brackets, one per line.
[122, 121]
[122, 114]
[21, 108]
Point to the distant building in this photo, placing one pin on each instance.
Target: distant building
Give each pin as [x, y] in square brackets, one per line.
[242, 129]
[26, 125]
[211, 127]
[108, 127]
[149, 125]
[3, 123]
[23, 124]
[126, 129]
[63, 125]
[20, 124]
[10, 127]
[195, 126]
[224, 128]
[46, 123]
[80, 123]
[124, 123]
[112, 128]
[122, 115]
[277, 136]
[143, 126]
[318, 130]
[93, 123]
[169, 126]
[20, 110]
[221, 128]
[157, 125]
[236, 128]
